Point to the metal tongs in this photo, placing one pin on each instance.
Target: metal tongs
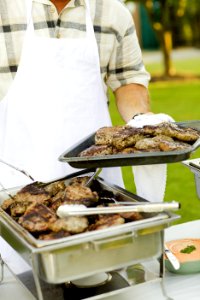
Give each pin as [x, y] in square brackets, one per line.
[17, 169]
[81, 210]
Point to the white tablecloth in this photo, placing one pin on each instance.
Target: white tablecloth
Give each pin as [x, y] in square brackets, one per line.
[178, 287]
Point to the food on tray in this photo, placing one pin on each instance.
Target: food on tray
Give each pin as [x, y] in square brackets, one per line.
[126, 139]
[187, 251]
[34, 208]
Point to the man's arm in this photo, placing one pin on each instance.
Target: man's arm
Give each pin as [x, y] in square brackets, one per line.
[132, 99]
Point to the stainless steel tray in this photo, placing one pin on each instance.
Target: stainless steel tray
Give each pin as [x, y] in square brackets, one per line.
[71, 155]
[89, 253]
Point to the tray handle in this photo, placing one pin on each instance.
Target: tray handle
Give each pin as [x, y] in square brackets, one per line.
[114, 242]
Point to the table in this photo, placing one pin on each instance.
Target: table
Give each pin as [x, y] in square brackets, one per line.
[177, 287]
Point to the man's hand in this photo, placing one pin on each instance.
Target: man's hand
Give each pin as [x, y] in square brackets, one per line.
[132, 99]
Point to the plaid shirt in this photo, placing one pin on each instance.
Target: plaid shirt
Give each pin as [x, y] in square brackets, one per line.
[120, 55]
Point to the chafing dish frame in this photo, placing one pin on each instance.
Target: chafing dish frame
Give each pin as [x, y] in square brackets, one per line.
[86, 254]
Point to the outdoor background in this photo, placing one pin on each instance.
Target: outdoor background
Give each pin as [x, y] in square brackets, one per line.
[170, 41]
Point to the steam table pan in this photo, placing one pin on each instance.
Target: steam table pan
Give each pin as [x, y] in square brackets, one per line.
[89, 253]
[71, 155]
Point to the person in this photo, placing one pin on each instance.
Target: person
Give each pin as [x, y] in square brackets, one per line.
[58, 58]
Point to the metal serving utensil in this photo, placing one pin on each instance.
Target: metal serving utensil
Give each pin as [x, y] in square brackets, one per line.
[17, 169]
[81, 210]
[5, 191]
[94, 176]
[172, 258]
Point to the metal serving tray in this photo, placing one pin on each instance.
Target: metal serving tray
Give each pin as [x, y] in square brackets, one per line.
[71, 155]
[92, 252]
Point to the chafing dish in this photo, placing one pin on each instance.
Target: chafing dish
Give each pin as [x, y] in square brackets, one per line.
[88, 253]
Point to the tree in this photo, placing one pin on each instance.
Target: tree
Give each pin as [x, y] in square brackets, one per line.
[161, 13]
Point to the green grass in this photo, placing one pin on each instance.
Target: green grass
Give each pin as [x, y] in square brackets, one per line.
[181, 100]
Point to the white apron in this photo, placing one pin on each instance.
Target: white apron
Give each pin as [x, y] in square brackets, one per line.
[56, 99]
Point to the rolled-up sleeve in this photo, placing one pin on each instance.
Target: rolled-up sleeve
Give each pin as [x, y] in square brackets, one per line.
[126, 63]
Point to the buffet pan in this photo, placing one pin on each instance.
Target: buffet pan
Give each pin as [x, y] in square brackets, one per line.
[145, 158]
[91, 252]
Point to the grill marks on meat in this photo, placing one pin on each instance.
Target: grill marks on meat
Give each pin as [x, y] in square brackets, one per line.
[34, 208]
[105, 221]
[37, 218]
[72, 225]
[53, 235]
[104, 136]
[126, 139]
[174, 131]
[96, 150]
[79, 194]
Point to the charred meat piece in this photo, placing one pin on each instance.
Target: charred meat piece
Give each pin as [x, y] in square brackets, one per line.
[105, 221]
[56, 201]
[152, 143]
[127, 138]
[55, 187]
[96, 150]
[132, 216]
[54, 235]
[81, 180]
[32, 193]
[78, 194]
[7, 203]
[104, 136]
[129, 150]
[173, 130]
[37, 218]
[71, 224]
[171, 146]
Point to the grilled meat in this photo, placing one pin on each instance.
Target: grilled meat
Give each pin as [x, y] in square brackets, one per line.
[82, 180]
[127, 138]
[53, 235]
[55, 187]
[78, 194]
[105, 221]
[37, 218]
[96, 150]
[171, 146]
[34, 208]
[104, 136]
[71, 224]
[152, 143]
[172, 130]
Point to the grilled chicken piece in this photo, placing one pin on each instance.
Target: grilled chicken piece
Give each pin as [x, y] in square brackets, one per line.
[55, 187]
[7, 203]
[132, 216]
[71, 224]
[127, 138]
[171, 146]
[96, 150]
[105, 221]
[152, 143]
[78, 194]
[54, 235]
[32, 193]
[104, 136]
[37, 218]
[82, 180]
[172, 130]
